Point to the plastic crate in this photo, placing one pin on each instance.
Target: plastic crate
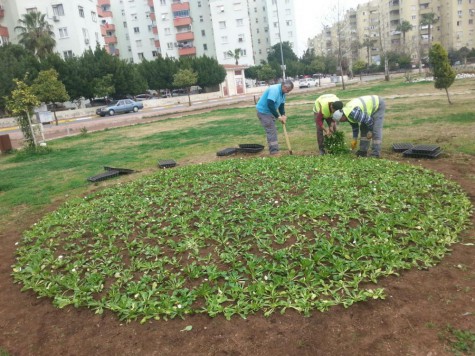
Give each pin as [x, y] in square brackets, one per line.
[401, 147]
[227, 151]
[167, 163]
[120, 170]
[426, 149]
[103, 176]
[250, 149]
[411, 153]
[251, 145]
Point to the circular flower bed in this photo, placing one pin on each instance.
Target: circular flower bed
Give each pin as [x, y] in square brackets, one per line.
[243, 236]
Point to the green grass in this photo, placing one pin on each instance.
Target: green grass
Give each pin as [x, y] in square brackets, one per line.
[461, 342]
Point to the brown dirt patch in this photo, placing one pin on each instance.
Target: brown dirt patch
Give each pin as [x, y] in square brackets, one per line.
[419, 306]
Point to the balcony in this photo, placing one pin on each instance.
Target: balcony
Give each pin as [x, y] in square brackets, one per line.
[157, 44]
[4, 32]
[191, 51]
[185, 36]
[155, 30]
[180, 6]
[150, 3]
[107, 29]
[104, 2]
[2, 12]
[182, 21]
[110, 40]
[103, 13]
[153, 17]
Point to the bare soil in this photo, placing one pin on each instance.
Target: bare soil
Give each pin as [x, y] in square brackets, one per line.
[411, 321]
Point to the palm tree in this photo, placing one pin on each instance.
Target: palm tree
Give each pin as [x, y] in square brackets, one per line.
[428, 20]
[404, 26]
[36, 34]
[236, 54]
[368, 43]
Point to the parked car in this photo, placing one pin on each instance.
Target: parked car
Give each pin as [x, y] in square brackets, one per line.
[307, 83]
[142, 97]
[119, 106]
[261, 83]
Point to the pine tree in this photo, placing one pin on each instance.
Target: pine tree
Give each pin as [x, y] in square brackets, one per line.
[444, 74]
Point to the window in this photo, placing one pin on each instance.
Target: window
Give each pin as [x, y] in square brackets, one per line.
[222, 24]
[199, 3]
[258, 41]
[134, 16]
[203, 33]
[138, 43]
[221, 8]
[239, 22]
[288, 22]
[224, 39]
[125, 24]
[470, 22]
[237, 6]
[67, 54]
[58, 10]
[241, 38]
[459, 2]
[93, 16]
[31, 9]
[167, 31]
[163, 2]
[164, 16]
[170, 45]
[136, 30]
[141, 56]
[63, 32]
[205, 47]
[150, 28]
[459, 13]
[81, 11]
[201, 18]
[85, 33]
[182, 13]
[276, 25]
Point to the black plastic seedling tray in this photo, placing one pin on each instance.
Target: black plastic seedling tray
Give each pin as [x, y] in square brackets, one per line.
[411, 153]
[103, 176]
[251, 145]
[425, 149]
[250, 150]
[227, 151]
[120, 170]
[167, 163]
[401, 147]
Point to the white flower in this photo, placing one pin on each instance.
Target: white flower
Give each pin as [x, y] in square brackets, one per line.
[60, 257]
[179, 306]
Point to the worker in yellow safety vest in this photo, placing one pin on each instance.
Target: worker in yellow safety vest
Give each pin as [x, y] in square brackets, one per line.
[323, 110]
[365, 115]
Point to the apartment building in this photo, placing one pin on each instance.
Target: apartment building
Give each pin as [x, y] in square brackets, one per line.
[76, 23]
[379, 21]
[144, 29]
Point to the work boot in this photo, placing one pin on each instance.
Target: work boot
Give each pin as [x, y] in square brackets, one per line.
[362, 154]
[322, 152]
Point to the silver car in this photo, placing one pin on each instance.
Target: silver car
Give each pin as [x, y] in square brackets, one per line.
[119, 106]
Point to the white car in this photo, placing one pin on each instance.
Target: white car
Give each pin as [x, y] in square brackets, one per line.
[307, 83]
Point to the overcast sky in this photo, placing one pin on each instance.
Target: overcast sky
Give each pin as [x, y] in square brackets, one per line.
[311, 15]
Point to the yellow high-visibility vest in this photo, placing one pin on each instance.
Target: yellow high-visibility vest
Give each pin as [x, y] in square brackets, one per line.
[322, 104]
[369, 104]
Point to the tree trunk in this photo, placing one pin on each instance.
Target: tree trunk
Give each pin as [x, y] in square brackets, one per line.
[54, 113]
[386, 68]
[448, 97]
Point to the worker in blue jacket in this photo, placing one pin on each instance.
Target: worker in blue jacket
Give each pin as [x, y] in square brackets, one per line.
[271, 107]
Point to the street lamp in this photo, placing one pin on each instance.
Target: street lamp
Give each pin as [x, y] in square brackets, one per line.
[280, 40]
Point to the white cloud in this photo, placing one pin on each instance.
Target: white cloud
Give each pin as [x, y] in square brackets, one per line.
[311, 15]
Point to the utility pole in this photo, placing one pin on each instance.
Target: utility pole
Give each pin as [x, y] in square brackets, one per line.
[280, 40]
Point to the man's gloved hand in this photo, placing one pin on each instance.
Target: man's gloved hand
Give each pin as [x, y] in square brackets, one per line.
[369, 135]
[354, 142]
